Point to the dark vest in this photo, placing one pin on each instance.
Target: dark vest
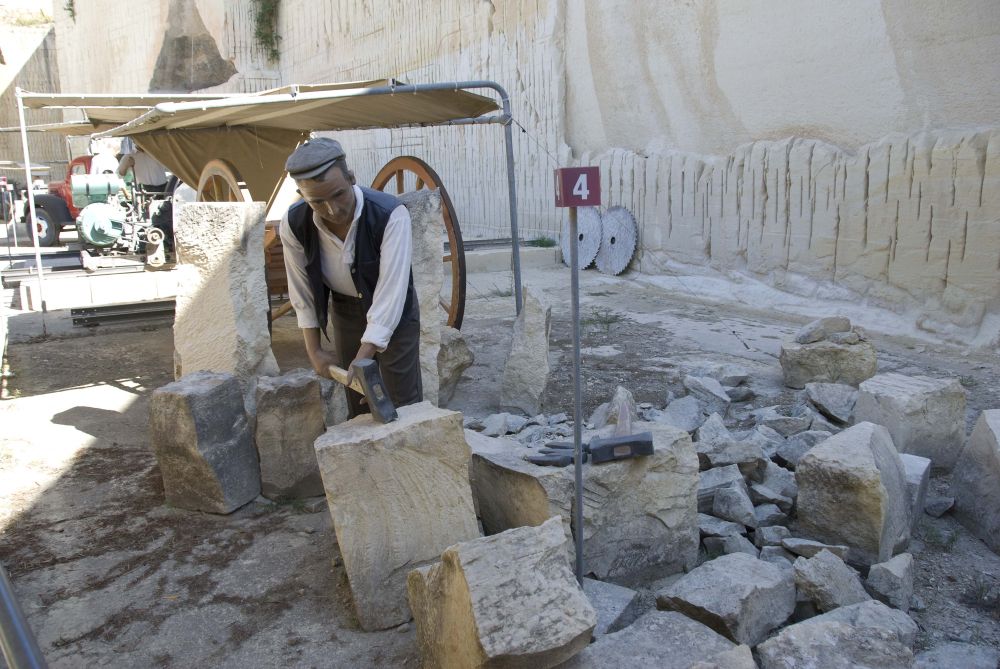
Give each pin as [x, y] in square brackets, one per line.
[367, 253]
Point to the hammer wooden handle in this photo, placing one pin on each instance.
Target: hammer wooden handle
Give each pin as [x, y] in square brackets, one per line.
[340, 375]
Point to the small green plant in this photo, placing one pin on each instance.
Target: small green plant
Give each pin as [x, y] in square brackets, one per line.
[542, 242]
[70, 8]
[967, 380]
[983, 594]
[602, 316]
[942, 538]
[266, 28]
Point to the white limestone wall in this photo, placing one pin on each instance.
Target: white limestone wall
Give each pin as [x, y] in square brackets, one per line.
[840, 149]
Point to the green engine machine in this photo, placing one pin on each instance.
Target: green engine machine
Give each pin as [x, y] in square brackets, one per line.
[102, 218]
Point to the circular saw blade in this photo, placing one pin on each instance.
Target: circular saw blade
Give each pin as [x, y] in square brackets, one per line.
[588, 228]
[618, 237]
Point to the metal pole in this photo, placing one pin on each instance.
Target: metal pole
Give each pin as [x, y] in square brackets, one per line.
[31, 203]
[515, 251]
[18, 644]
[574, 255]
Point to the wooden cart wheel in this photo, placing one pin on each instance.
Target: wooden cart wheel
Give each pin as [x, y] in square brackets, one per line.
[408, 173]
[221, 182]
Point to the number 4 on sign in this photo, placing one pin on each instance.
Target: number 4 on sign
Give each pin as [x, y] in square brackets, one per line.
[578, 187]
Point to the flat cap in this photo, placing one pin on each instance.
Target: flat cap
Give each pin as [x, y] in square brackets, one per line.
[313, 157]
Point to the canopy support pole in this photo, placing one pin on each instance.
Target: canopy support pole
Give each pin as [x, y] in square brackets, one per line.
[31, 204]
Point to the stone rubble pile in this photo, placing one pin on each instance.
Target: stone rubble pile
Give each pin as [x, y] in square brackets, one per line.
[828, 350]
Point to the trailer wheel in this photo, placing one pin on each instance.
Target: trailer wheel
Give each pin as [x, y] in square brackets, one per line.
[48, 228]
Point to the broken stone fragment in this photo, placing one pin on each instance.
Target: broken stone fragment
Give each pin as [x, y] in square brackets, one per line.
[526, 371]
[834, 400]
[924, 416]
[938, 506]
[738, 596]
[708, 391]
[710, 526]
[734, 543]
[608, 413]
[796, 446]
[892, 581]
[875, 614]
[616, 606]
[726, 373]
[203, 443]
[761, 494]
[505, 600]
[852, 491]
[828, 582]
[918, 475]
[740, 393]
[777, 555]
[780, 480]
[769, 514]
[779, 420]
[499, 424]
[713, 431]
[976, 481]
[827, 362]
[767, 439]
[821, 328]
[454, 357]
[661, 639]
[685, 413]
[399, 494]
[715, 479]
[770, 535]
[747, 456]
[733, 503]
[809, 548]
[335, 407]
[291, 414]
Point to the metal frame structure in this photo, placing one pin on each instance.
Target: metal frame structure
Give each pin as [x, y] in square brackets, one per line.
[214, 103]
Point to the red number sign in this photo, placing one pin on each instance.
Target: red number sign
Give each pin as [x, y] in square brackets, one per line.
[578, 187]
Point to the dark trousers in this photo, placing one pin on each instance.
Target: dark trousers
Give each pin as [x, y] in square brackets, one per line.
[399, 363]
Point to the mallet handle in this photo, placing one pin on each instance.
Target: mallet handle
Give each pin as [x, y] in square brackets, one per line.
[340, 376]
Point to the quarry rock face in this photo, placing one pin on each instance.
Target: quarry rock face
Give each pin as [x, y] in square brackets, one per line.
[737, 595]
[427, 223]
[852, 491]
[399, 495]
[203, 443]
[505, 600]
[925, 416]
[975, 483]
[291, 414]
[221, 281]
[526, 371]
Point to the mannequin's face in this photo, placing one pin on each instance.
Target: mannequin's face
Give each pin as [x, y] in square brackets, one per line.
[331, 197]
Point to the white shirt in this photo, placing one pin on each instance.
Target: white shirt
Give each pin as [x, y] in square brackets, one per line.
[103, 162]
[336, 259]
[147, 170]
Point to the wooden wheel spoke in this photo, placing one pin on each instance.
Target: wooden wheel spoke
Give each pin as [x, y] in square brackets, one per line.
[420, 183]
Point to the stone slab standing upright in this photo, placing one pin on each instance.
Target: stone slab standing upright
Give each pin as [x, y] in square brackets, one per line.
[454, 357]
[399, 495]
[852, 491]
[925, 416]
[976, 481]
[428, 232]
[526, 371]
[290, 416]
[203, 443]
[507, 600]
[918, 477]
[220, 323]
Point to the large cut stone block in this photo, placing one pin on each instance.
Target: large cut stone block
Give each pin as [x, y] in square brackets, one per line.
[852, 491]
[203, 443]
[641, 515]
[526, 371]
[290, 416]
[220, 324]
[925, 416]
[827, 362]
[427, 226]
[399, 495]
[663, 640]
[737, 595]
[976, 481]
[507, 600]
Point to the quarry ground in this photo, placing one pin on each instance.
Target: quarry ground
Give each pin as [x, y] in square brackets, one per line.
[107, 574]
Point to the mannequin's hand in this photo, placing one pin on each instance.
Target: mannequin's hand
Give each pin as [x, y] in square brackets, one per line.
[321, 361]
[366, 352]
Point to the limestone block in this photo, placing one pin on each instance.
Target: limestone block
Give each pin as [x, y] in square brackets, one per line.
[220, 322]
[852, 491]
[481, 444]
[507, 600]
[640, 514]
[976, 481]
[796, 446]
[827, 362]
[809, 548]
[713, 480]
[779, 420]
[657, 635]
[780, 480]
[834, 400]
[733, 503]
[833, 645]
[770, 535]
[734, 543]
[427, 227]
[761, 494]
[290, 416]
[918, 475]
[710, 526]
[708, 391]
[609, 412]
[738, 596]
[399, 495]
[892, 581]
[454, 357]
[828, 582]
[769, 514]
[662, 640]
[203, 443]
[713, 431]
[526, 371]
[777, 555]
[872, 613]
[957, 654]
[616, 606]
[820, 329]
[686, 413]
[925, 416]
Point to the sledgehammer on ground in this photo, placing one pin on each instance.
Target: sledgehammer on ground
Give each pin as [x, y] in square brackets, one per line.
[368, 381]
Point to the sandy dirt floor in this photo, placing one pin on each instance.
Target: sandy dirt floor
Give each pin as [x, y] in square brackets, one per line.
[108, 575]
